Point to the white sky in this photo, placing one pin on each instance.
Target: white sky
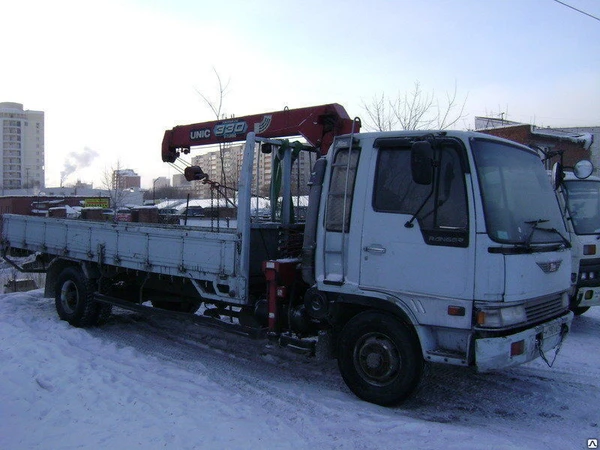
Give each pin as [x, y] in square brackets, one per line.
[112, 76]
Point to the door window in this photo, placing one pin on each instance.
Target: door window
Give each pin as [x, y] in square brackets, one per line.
[440, 208]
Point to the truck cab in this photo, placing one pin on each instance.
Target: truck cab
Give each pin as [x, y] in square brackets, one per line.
[579, 195]
[457, 234]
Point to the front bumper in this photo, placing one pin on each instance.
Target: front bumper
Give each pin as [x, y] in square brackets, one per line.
[495, 352]
[588, 296]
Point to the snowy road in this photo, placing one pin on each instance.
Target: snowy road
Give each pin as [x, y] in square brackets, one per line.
[141, 382]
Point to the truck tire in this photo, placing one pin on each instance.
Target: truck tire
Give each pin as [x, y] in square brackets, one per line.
[573, 306]
[105, 310]
[379, 358]
[579, 310]
[74, 299]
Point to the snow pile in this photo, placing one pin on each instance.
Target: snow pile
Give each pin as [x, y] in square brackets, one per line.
[151, 383]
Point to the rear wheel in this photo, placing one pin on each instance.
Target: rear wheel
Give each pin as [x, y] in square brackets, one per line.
[104, 314]
[380, 358]
[74, 299]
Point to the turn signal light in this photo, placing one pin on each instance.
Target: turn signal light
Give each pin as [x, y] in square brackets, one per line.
[480, 318]
[456, 311]
[517, 348]
[589, 249]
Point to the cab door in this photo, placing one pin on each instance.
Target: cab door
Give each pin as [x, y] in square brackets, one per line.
[415, 238]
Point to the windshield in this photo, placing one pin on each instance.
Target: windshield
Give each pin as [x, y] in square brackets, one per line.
[583, 203]
[518, 201]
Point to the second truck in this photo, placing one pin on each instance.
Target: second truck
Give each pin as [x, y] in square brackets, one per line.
[417, 247]
[579, 195]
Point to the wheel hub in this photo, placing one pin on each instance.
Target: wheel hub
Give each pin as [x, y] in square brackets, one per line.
[69, 296]
[377, 359]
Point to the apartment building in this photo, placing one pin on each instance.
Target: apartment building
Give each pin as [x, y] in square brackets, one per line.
[179, 181]
[125, 179]
[21, 147]
[226, 170]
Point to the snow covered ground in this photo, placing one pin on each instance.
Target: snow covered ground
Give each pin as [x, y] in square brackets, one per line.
[155, 383]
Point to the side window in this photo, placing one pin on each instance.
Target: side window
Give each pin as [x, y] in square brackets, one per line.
[440, 208]
[341, 190]
[395, 191]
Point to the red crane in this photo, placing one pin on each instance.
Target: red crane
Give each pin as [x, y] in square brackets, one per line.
[317, 124]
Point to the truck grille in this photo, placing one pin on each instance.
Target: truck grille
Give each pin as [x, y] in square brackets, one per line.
[589, 273]
[544, 308]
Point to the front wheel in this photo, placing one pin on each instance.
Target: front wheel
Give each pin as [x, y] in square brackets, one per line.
[579, 310]
[380, 358]
[74, 299]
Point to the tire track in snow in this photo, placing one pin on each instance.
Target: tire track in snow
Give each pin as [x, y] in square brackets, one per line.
[296, 397]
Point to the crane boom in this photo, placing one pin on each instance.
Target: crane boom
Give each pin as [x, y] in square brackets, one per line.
[317, 124]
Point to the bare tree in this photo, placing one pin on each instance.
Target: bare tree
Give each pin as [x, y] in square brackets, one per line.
[450, 112]
[216, 106]
[381, 116]
[414, 110]
[110, 182]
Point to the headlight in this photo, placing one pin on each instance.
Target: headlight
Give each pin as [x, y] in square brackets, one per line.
[501, 317]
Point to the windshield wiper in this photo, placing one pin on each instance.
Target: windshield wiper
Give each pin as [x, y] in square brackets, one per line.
[534, 226]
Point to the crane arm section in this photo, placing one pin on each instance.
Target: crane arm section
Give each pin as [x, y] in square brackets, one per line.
[317, 124]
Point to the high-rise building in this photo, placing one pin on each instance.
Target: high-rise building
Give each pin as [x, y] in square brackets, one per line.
[160, 182]
[21, 147]
[179, 181]
[226, 170]
[125, 179]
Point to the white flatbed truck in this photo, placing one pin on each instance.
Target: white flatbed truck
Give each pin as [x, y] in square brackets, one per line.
[418, 247]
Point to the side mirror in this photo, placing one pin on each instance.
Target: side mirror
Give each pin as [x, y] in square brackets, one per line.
[583, 169]
[194, 173]
[421, 162]
[557, 175]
